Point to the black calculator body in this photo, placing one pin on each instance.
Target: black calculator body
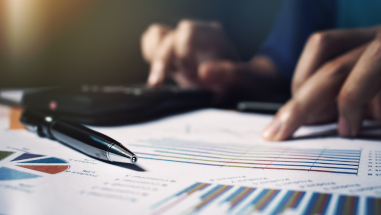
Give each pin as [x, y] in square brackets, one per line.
[116, 105]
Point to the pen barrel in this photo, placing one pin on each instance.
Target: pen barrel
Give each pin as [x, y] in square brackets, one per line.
[77, 137]
[81, 138]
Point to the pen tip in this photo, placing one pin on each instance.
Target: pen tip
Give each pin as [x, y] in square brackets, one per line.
[120, 154]
[134, 159]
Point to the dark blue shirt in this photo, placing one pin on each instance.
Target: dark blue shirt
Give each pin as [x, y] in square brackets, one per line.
[298, 19]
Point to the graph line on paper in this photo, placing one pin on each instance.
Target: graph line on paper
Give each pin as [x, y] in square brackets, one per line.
[249, 156]
[239, 200]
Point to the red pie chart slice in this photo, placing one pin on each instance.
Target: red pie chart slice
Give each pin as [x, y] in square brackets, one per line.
[47, 169]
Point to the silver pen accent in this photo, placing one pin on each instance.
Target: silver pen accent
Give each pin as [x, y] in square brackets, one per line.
[116, 153]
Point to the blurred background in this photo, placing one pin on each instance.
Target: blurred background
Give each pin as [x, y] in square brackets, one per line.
[71, 42]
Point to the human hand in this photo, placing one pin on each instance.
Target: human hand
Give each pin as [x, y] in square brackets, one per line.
[196, 55]
[338, 76]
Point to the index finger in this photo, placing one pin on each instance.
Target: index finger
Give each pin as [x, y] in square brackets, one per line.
[314, 96]
[361, 87]
[161, 62]
[323, 46]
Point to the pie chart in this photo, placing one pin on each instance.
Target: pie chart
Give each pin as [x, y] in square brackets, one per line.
[35, 165]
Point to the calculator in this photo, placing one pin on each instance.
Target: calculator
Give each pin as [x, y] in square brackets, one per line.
[116, 105]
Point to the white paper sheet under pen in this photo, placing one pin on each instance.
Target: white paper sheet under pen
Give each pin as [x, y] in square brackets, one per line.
[218, 155]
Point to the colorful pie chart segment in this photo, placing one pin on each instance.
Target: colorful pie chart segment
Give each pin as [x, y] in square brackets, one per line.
[4, 154]
[33, 163]
[47, 169]
[46, 160]
[11, 174]
[27, 156]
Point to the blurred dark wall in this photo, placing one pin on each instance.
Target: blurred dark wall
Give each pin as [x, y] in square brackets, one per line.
[101, 45]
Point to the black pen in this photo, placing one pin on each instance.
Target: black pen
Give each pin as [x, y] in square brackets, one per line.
[260, 107]
[78, 137]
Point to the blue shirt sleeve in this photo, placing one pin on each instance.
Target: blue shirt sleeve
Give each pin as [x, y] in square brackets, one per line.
[297, 20]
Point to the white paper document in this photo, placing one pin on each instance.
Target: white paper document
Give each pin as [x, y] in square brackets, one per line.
[204, 162]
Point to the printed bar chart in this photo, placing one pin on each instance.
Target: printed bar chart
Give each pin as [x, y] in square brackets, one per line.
[260, 202]
[250, 156]
[373, 205]
[290, 201]
[175, 199]
[347, 205]
[247, 200]
[212, 195]
[237, 197]
[318, 203]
